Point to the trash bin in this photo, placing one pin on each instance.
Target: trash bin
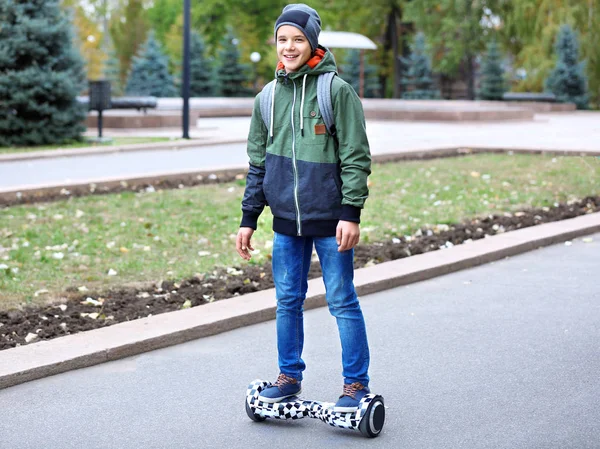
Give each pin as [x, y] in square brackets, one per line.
[99, 94]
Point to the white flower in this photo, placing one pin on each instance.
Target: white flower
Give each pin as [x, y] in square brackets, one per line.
[112, 272]
[58, 256]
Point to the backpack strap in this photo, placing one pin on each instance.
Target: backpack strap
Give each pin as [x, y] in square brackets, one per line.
[324, 98]
[266, 96]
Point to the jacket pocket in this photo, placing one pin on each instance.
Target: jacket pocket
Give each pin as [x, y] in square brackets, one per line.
[315, 131]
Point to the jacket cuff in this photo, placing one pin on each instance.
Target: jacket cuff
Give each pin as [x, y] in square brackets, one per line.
[249, 220]
[350, 213]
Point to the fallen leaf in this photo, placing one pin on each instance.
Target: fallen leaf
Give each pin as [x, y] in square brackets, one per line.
[31, 337]
[92, 302]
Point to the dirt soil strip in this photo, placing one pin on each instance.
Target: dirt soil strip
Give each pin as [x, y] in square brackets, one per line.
[25, 363]
[171, 180]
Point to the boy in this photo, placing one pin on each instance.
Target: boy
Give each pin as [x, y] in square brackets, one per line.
[316, 186]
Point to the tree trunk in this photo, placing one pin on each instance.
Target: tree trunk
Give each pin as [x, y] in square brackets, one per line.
[470, 76]
[393, 35]
[469, 54]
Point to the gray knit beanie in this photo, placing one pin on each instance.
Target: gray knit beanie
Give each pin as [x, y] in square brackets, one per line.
[304, 18]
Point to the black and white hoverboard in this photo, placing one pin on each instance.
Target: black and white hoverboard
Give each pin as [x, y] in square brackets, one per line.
[368, 418]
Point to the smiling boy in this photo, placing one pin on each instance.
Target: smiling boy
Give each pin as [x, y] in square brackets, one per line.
[316, 185]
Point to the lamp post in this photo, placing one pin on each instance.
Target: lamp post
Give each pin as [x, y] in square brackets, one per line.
[185, 88]
[255, 58]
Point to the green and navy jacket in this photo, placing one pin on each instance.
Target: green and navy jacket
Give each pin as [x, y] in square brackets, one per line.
[310, 179]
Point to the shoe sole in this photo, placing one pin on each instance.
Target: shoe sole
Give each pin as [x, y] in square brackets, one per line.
[279, 399]
[345, 409]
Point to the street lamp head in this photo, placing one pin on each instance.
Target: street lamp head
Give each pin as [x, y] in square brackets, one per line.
[255, 57]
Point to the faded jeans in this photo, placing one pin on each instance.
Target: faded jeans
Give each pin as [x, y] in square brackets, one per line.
[291, 262]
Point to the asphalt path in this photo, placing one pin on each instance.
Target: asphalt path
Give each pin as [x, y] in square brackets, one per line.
[500, 356]
[62, 170]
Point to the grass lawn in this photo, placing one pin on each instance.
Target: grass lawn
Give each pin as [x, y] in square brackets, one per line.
[100, 241]
[86, 144]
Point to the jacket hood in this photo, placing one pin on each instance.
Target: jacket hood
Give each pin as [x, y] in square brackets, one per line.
[321, 62]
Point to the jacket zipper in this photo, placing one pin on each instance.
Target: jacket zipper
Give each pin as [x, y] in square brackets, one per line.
[298, 220]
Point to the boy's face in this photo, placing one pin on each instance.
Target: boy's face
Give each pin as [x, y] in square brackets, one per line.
[293, 49]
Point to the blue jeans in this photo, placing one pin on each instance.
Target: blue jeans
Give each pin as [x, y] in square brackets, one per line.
[291, 262]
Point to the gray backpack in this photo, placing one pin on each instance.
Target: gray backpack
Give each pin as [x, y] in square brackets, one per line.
[324, 98]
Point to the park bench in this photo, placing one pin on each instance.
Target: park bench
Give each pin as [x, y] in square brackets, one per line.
[139, 103]
[544, 97]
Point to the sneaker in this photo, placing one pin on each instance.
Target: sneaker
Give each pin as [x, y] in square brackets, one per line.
[284, 387]
[351, 397]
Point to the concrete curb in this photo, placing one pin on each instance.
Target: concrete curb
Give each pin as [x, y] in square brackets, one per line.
[89, 151]
[38, 192]
[46, 358]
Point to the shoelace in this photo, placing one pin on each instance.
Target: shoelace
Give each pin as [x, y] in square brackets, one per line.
[282, 380]
[350, 390]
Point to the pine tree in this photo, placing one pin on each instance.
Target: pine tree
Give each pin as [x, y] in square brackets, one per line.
[150, 72]
[493, 84]
[232, 75]
[568, 81]
[419, 78]
[202, 77]
[41, 74]
[112, 72]
[351, 74]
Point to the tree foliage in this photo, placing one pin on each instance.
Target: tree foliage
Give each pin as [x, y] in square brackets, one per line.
[41, 74]
[350, 72]
[493, 84]
[568, 81]
[419, 81]
[457, 30]
[529, 29]
[128, 30]
[161, 17]
[150, 72]
[112, 71]
[232, 75]
[88, 36]
[202, 74]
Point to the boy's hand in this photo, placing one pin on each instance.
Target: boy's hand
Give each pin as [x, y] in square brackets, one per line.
[347, 235]
[242, 243]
